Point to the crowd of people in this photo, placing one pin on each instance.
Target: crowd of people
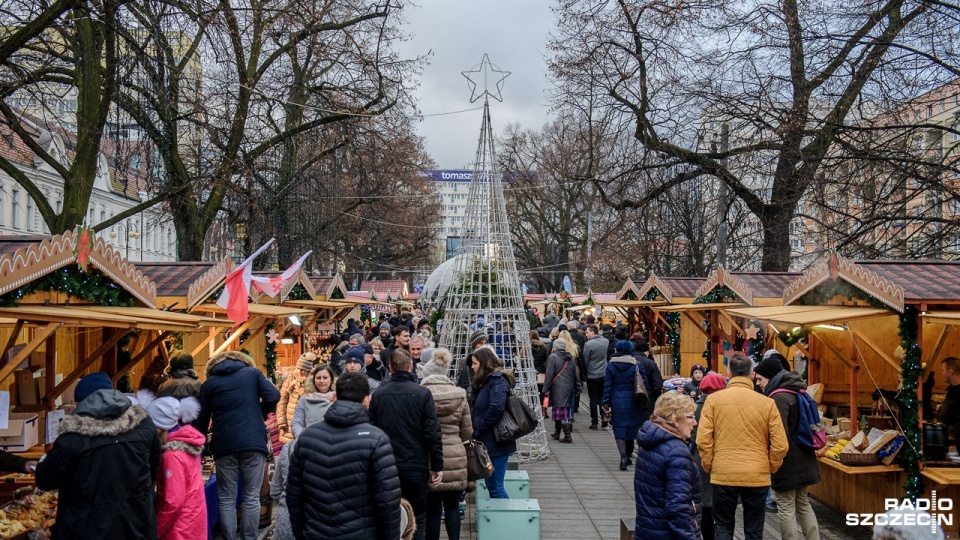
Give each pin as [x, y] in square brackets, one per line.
[373, 439]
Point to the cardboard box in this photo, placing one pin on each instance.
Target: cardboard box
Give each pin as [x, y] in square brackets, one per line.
[28, 388]
[38, 360]
[21, 434]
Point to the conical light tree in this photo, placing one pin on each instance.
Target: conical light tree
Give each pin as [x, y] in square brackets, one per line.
[486, 286]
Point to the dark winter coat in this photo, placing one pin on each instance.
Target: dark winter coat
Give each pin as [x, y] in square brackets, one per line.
[618, 395]
[611, 344]
[238, 398]
[488, 407]
[540, 354]
[801, 467]
[666, 485]
[342, 482]
[405, 411]
[104, 463]
[182, 383]
[653, 379]
[706, 489]
[567, 382]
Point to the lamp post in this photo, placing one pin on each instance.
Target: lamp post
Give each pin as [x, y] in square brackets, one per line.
[130, 232]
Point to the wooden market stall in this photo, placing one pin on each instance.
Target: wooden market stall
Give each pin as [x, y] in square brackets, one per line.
[74, 307]
[855, 317]
[705, 314]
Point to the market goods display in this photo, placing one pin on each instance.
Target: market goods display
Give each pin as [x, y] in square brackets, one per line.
[33, 512]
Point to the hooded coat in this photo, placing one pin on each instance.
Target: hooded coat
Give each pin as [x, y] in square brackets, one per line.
[456, 426]
[104, 462]
[561, 380]
[618, 395]
[238, 398]
[181, 504]
[666, 487]
[290, 392]
[801, 467]
[405, 411]
[182, 383]
[343, 481]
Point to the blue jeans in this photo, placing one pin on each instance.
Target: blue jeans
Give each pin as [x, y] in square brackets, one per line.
[246, 467]
[495, 482]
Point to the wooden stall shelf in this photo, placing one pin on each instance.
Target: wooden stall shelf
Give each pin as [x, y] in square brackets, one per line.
[946, 482]
[867, 469]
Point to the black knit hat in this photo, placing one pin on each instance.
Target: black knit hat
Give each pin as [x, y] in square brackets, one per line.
[768, 368]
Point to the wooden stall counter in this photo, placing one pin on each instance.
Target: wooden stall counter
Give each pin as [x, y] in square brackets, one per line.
[946, 482]
[857, 490]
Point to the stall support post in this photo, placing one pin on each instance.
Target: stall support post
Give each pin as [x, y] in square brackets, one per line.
[50, 365]
[923, 309]
[716, 341]
[854, 409]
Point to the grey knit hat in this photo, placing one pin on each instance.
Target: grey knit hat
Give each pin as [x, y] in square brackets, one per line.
[478, 336]
[560, 344]
[438, 364]
[385, 326]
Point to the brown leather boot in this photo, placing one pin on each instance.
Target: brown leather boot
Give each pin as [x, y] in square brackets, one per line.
[556, 434]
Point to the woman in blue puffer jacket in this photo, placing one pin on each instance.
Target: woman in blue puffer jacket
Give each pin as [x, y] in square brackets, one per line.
[619, 402]
[491, 389]
[666, 483]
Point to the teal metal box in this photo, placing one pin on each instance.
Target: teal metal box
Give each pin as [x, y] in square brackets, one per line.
[517, 484]
[516, 519]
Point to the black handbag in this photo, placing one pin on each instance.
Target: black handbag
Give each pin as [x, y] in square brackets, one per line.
[479, 464]
[518, 420]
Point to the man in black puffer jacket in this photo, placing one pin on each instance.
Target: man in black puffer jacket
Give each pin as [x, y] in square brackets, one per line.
[342, 481]
[104, 463]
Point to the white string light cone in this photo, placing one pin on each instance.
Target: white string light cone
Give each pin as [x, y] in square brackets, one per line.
[486, 284]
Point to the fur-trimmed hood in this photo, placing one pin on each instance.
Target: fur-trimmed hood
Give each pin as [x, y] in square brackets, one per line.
[185, 439]
[226, 356]
[105, 412]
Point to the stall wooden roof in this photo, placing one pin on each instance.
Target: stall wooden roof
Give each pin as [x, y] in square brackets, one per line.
[208, 282]
[749, 286]
[633, 303]
[267, 310]
[173, 279]
[894, 282]
[81, 317]
[696, 307]
[941, 317]
[395, 288]
[326, 285]
[808, 315]
[26, 258]
[670, 287]
[171, 316]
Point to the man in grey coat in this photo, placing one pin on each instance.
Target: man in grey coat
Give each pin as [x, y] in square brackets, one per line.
[595, 358]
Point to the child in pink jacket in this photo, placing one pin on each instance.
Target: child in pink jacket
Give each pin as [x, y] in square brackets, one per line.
[181, 506]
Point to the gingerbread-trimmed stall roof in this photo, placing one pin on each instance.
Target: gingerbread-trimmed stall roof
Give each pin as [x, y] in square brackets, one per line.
[671, 287]
[36, 256]
[892, 282]
[396, 288]
[628, 285]
[749, 285]
[208, 282]
[174, 278]
[325, 285]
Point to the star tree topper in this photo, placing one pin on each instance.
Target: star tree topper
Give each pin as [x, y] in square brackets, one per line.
[487, 71]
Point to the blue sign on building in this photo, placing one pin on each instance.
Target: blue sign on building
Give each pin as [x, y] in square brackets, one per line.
[458, 175]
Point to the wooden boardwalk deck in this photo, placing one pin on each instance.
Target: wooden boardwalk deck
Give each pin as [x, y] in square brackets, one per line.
[583, 494]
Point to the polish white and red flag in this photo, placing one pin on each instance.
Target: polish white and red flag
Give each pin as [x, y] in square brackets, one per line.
[237, 287]
[273, 286]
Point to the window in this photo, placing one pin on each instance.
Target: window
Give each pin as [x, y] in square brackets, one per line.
[15, 209]
[135, 161]
[29, 223]
[929, 111]
[169, 249]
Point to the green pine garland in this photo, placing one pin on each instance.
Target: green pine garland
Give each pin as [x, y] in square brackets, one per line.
[91, 286]
[337, 294]
[435, 317]
[270, 353]
[909, 404]
[673, 321]
[717, 295]
[298, 292]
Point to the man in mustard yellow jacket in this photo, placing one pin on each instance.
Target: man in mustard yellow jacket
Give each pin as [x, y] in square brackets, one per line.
[742, 442]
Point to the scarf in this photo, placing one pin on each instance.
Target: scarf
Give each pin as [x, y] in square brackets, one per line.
[668, 426]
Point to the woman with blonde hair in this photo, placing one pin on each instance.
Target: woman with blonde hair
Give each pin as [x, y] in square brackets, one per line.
[666, 483]
[290, 392]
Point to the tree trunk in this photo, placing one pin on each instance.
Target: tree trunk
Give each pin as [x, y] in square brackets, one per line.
[776, 242]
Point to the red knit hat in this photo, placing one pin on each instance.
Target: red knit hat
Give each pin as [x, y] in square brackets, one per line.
[712, 382]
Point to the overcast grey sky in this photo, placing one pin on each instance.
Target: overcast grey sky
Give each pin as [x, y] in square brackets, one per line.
[513, 33]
